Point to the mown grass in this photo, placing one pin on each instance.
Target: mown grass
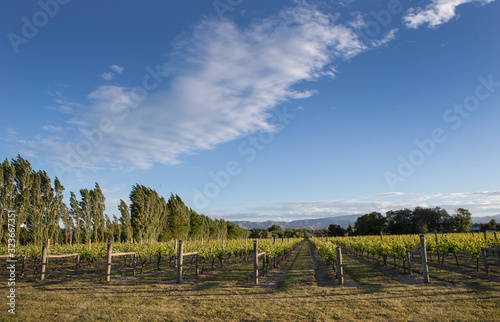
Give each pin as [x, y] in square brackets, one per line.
[301, 274]
[229, 296]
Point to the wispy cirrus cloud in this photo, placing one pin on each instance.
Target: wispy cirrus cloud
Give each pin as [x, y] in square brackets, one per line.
[223, 81]
[436, 13]
[107, 76]
[115, 69]
[226, 80]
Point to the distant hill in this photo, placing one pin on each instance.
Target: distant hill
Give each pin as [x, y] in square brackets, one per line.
[323, 223]
[319, 223]
[485, 220]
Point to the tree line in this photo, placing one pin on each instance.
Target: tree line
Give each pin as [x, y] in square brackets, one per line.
[405, 221]
[276, 231]
[149, 217]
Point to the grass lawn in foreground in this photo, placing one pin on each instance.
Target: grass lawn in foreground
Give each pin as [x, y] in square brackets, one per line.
[230, 296]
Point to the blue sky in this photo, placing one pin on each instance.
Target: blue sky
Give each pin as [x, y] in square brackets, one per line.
[251, 110]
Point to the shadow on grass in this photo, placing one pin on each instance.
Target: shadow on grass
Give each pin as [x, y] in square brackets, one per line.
[371, 279]
[229, 278]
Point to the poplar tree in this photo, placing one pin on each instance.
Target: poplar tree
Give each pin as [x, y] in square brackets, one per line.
[76, 214]
[86, 211]
[35, 218]
[98, 206]
[116, 229]
[138, 213]
[23, 180]
[178, 218]
[57, 208]
[3, 211]
[148, 212]
[126, 227]
[68, 223]
[196, 225]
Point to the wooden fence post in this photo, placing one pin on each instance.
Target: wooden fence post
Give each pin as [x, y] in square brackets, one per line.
[408, 260]
[197, 265]
[179, 262]
[222, 260]
[135, 260]
[24, 265]
[108, 261]
[498, 246]
[44, 262]
[48, 247]
[340, 269]
[485, 260]
[437, 248]
[175, 252]
[77, 263]
[264, 265]
[423, 250]
[255, 263]
[274, 262]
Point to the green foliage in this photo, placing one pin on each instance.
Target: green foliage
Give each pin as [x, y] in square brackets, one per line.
[179, 218]
[397, 245]
[126, 225]
[276, 231]
[492, 225]
[370, 224]
[40, 209]
[38, 204]
[462, 220]
[336, 230]
[233, 231]
[196, 225]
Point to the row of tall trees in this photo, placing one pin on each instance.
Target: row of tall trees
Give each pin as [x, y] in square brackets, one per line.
[42, 214]
[417, 221]
[85, 221]
[154, 218]
[39, 204]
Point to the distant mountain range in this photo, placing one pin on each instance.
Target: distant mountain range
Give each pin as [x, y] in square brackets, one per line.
[484, 220]
[323, 223]
[319, 223]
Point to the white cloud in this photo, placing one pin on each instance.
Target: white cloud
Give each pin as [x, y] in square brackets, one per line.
[481, 203]
[436, 13]
[391, 35]
[107, 76]
[52, 128]
[63, 104]
[223, 85]
[117, 69]
[386, 194]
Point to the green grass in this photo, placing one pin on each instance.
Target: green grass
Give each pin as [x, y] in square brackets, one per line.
[230, 296]
[301, 274]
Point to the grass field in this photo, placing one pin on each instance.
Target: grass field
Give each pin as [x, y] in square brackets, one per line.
[290, 293]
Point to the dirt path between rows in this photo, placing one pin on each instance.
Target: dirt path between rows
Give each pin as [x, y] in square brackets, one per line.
[275, 276]
[325, 275]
